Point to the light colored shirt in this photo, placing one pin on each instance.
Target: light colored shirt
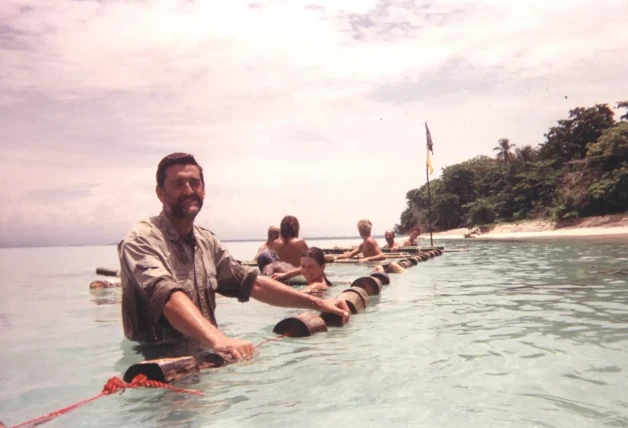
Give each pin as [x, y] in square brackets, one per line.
[156, 261]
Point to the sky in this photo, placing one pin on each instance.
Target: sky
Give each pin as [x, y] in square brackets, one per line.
[310, 108]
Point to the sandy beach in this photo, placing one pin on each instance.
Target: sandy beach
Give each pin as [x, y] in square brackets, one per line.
[582, 227]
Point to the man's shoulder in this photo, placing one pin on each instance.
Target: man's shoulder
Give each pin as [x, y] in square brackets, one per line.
[146, 227]
[203, 232]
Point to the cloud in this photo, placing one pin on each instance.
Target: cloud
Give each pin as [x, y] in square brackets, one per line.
[314, 109]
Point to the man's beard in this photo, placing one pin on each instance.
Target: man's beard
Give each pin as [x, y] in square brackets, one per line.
[179, 210]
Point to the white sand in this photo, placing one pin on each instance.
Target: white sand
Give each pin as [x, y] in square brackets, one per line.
[615, 225]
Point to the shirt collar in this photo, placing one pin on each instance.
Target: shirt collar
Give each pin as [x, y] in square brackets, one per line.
[172, 234]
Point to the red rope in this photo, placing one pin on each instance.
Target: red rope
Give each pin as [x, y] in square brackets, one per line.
[116, 384]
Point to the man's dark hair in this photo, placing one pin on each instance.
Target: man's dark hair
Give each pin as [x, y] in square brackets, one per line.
[175, 159]
[289, 227]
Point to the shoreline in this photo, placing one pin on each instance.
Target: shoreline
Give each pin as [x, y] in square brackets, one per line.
[602, 226]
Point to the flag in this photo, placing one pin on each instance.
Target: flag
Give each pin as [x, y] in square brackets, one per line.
[429, 163]
[430, 148]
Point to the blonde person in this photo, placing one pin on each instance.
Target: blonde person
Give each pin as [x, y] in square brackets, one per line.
[369, 248]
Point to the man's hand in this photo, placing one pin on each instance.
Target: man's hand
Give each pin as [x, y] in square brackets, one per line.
[336, 306]
[279, 276]
[235, 348]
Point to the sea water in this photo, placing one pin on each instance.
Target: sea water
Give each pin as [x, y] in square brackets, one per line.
[496, 334]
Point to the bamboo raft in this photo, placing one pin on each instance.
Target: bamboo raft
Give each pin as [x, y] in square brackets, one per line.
[299, 280]
[362, 292]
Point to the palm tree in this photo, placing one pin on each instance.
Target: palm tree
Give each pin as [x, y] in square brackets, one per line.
[526, 154]
[503, 150]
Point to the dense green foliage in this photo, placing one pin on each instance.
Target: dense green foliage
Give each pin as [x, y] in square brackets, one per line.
[581, 169]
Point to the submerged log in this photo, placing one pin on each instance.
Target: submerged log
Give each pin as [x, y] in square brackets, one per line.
[383, 277]
[301, 325]
[405, 263]
[408, 249]
[163, 370]
[372, 285]
[413, 260]
[107, 272]
[356, 298]
[332, 320]
[217, 359]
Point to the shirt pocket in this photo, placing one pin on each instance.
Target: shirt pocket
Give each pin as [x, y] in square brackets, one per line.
[185, 281]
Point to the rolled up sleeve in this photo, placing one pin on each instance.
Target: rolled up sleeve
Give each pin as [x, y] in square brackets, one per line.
[234, 279]
[147, 267]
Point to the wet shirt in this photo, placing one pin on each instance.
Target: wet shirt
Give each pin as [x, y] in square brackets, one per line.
[156, 261]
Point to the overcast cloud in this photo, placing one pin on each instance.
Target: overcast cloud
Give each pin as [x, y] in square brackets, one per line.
[314, 109]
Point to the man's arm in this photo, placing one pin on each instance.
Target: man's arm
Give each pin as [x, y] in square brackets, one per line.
[142, 260]
[351, 253]
[287, 275]
[372, 247]
[274, 293]
[184, 316]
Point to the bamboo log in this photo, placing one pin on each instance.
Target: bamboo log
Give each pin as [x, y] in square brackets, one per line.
[383, 277]
[405, 263]
[332, 320]
[107, 272]
[409, 249]
[356, 298]
[301, 325]
[218, 359]
[372, 285]
[163, 370]
[413, 260]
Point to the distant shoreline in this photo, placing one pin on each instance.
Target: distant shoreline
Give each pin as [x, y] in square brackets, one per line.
[261, 239]
[610, 225]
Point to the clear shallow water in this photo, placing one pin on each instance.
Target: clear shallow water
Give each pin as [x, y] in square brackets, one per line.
[501, 334]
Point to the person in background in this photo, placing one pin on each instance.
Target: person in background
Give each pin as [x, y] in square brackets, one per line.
[390, 240]
[289, 247]
[414, 234]
[272, 234]
[369, 248]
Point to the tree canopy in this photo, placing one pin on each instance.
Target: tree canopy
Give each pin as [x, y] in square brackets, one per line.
[581, 169]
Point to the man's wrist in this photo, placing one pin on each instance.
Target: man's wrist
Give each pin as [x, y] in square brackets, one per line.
[212, 338]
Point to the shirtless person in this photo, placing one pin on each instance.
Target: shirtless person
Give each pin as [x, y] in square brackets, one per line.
[369, 248]
[289, 247]
[414, 234]
[273, 233]
[390, 240]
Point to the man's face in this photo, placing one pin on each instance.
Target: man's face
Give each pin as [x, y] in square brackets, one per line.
[414, 234]
[390, 237]
[183, 191]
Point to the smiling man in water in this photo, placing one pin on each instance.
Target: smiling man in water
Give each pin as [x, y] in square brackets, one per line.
[172, 269]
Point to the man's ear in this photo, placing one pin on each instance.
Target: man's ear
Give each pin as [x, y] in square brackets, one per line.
[160, 193]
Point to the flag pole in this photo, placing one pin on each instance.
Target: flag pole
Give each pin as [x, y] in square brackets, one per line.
[429, 206]
[429, 196]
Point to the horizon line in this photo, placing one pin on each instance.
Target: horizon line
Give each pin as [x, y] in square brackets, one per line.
[315, 238]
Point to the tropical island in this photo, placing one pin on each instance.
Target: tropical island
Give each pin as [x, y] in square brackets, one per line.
[576, 179]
